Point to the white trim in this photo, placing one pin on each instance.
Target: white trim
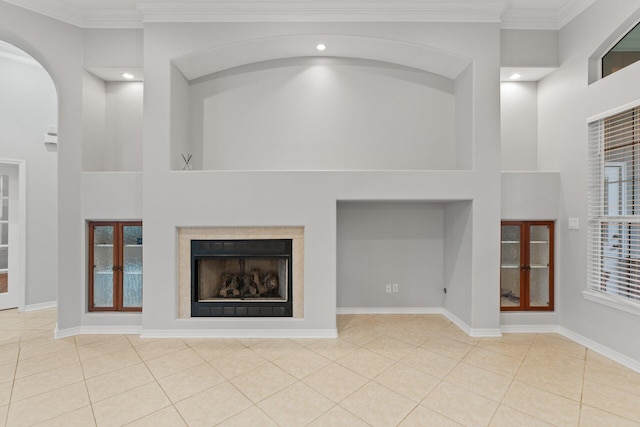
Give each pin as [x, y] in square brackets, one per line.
[96, 330]
[389, 310]
[612, 301]
[614, 111]
[40, 306]
[480, 333]
[529, 329]
[22, 229]
[599, 348]
[240, 333]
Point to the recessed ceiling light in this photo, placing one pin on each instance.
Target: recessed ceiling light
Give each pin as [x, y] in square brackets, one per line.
[515, 76]
[128, 76]
[321, 47]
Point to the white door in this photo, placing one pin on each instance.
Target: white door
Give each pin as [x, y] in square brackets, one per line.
[9, 224]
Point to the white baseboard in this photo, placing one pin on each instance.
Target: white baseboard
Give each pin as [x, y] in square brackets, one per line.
[389, 310]
[599, 348]
[529, 329]
[96, 330]
[240, 333]
[580, 339]
[472, 332]
[40, 306]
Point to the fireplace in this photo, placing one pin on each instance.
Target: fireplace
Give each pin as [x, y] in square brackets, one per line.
[241, 278]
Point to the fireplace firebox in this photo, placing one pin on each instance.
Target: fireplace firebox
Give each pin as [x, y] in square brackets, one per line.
[241, 278]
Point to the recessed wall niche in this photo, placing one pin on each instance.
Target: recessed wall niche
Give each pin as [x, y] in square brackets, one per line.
[112, 125]
[318, 113]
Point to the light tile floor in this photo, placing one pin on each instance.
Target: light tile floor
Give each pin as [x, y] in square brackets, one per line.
[386, 370]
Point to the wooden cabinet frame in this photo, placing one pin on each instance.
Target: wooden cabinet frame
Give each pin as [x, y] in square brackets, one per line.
[525, 267]
[118, 264]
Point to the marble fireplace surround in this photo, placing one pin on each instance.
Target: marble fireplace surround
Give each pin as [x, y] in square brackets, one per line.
[186, 234]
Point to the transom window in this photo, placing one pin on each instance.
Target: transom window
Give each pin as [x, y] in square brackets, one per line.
[623, 54]
[614, 205]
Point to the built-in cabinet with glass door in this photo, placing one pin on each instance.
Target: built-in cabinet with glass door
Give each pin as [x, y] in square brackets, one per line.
[526, 269]
[115, 266]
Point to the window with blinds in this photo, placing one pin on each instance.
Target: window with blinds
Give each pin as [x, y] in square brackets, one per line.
[614, 205]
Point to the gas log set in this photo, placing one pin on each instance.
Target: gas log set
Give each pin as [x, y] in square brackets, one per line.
[248, 285]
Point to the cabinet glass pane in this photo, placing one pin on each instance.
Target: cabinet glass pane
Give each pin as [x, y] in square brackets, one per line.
[132, 280]
[539, 246]
[103, 266]
[4, 209]
[510, 245]
[510, 287]
[4, 185]
[4, 258]
[539, 287]
[4, 233]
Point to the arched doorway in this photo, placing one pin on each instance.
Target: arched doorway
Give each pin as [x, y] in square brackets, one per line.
[28, 173]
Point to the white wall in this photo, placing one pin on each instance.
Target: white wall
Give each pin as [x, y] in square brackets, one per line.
[529, 48]
[519, 126]
[530, 195]
[58, 47]
[324, 114]
[123, 112]
[458, 258]
[112, 125]
[382, 243]
[28, 105]
[566, 101]
[93, 123]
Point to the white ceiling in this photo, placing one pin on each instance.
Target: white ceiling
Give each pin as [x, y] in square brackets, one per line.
[513, 14]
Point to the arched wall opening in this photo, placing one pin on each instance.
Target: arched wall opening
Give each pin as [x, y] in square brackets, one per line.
[28, 118]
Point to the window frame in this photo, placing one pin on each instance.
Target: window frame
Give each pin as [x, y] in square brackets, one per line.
[626, 216]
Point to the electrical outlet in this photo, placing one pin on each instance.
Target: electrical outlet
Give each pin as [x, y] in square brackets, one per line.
[574, 224]
[395, 287]
[388, 288]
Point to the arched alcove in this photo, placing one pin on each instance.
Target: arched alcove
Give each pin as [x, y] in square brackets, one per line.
[278, 104]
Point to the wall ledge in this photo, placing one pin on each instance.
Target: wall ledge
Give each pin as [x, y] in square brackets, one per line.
[612, 301]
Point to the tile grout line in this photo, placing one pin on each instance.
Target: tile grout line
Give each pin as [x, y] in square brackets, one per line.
[13, 382]
[84, 381]
[172, 404]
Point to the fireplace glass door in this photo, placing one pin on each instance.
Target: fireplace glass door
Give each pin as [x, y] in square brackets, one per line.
[241, 278]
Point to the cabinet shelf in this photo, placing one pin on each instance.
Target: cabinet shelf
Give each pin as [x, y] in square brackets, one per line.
[103, 245]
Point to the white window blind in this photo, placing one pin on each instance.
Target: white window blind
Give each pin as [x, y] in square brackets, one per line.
[614, 205]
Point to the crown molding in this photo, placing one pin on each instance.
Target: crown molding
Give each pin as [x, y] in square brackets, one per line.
[321, 11]
[571, 9]
[543, 18]
[133, 14]
[87, 17]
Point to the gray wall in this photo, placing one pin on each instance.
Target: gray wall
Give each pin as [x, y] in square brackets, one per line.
[519, 126]
[28, 105]
[382, 243]
[458, 256]
[324, 114]
[566, 101]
